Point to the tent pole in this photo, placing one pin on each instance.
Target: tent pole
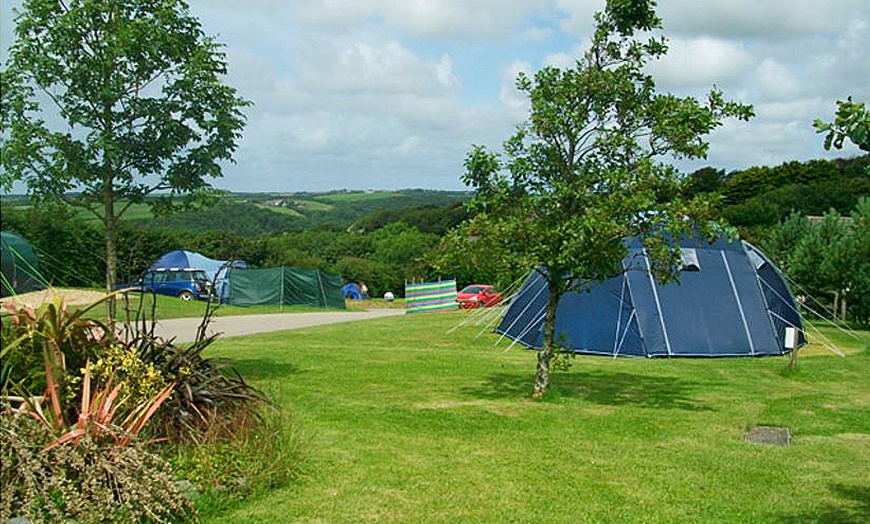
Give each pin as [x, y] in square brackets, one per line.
[655, 293]
[322, 292]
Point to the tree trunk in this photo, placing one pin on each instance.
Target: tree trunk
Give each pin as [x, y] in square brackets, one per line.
[111, 226]
[843, 307]
[542, 375]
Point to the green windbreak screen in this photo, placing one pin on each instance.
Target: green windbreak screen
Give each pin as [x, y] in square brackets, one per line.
[285, 286]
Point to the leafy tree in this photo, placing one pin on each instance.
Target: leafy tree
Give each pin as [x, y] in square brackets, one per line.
[428, 219]
[399, 243]
[852, 121]
[105, 102]
[705, 180]
[822, 261]
[138, 248]
[859, 292]
[584, 171]
[473, 253]
[781, 243]
[380, 277]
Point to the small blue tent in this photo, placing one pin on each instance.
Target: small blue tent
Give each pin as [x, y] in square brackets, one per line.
[729, 301]
[216, 270]
[351, 290]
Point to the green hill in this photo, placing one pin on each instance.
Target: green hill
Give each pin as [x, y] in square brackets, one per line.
[251, 214]
[256, 213]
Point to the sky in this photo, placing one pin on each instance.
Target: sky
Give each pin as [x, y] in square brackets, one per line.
[390, 94]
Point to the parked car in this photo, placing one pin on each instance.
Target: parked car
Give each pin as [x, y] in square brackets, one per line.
[477, 295]
[186, 284]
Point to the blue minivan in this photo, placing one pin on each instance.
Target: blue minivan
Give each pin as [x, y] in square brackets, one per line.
[186, 284]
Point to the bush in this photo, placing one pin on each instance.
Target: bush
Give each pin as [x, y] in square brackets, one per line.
[73, 452]
[208, 393]
[87, 482]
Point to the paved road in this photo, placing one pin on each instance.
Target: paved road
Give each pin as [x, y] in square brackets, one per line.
[184, 329]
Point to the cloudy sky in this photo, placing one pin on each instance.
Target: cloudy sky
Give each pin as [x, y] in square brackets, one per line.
[377, 94]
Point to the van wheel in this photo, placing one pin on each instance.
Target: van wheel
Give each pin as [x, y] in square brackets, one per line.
[187, 296]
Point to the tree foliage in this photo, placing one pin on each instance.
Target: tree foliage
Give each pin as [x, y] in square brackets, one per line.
[584, 171]
[757, 199]
[827, 260]
[105, 102]
[851, 121]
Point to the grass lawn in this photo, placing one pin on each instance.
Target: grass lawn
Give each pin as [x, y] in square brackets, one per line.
[403, 422]
[172, 307]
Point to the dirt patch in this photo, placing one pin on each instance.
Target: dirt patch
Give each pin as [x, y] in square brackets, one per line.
[70, 296]
[770, 435]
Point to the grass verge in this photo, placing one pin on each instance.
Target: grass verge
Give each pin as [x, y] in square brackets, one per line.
[263, 455]
[172, 307]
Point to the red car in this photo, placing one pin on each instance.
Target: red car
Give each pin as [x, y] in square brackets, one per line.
[477, 295]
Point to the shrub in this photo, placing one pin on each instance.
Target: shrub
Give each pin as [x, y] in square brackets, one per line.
[208, 393]
[73, 453]
[88, 482]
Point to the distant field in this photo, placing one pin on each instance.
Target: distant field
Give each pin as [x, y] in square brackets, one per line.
[280, 209]
[404, 422]
[135, 212]
[312, 205]
[356, 196]
[251, 214]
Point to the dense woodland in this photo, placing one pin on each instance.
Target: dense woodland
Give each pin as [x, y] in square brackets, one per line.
[387, 238]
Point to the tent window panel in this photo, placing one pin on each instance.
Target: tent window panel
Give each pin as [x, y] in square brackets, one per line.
[756, 259]
[690, 259]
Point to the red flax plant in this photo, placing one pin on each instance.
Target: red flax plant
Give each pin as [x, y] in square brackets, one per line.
[97, 414]
[61, 335]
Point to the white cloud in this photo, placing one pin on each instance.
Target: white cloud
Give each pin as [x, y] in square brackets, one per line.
[761, 19]
[391, 93]
[701, 61]
[561, 60]
[578, 15]
[424, 18]
[538, 34]
[364, 67]
[776, 81]
[515, 102]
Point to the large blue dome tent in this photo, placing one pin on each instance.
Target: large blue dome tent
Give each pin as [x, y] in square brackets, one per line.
[729, 300]
[218, 271]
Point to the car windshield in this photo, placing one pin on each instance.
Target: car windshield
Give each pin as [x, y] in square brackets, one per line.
[472, 289]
